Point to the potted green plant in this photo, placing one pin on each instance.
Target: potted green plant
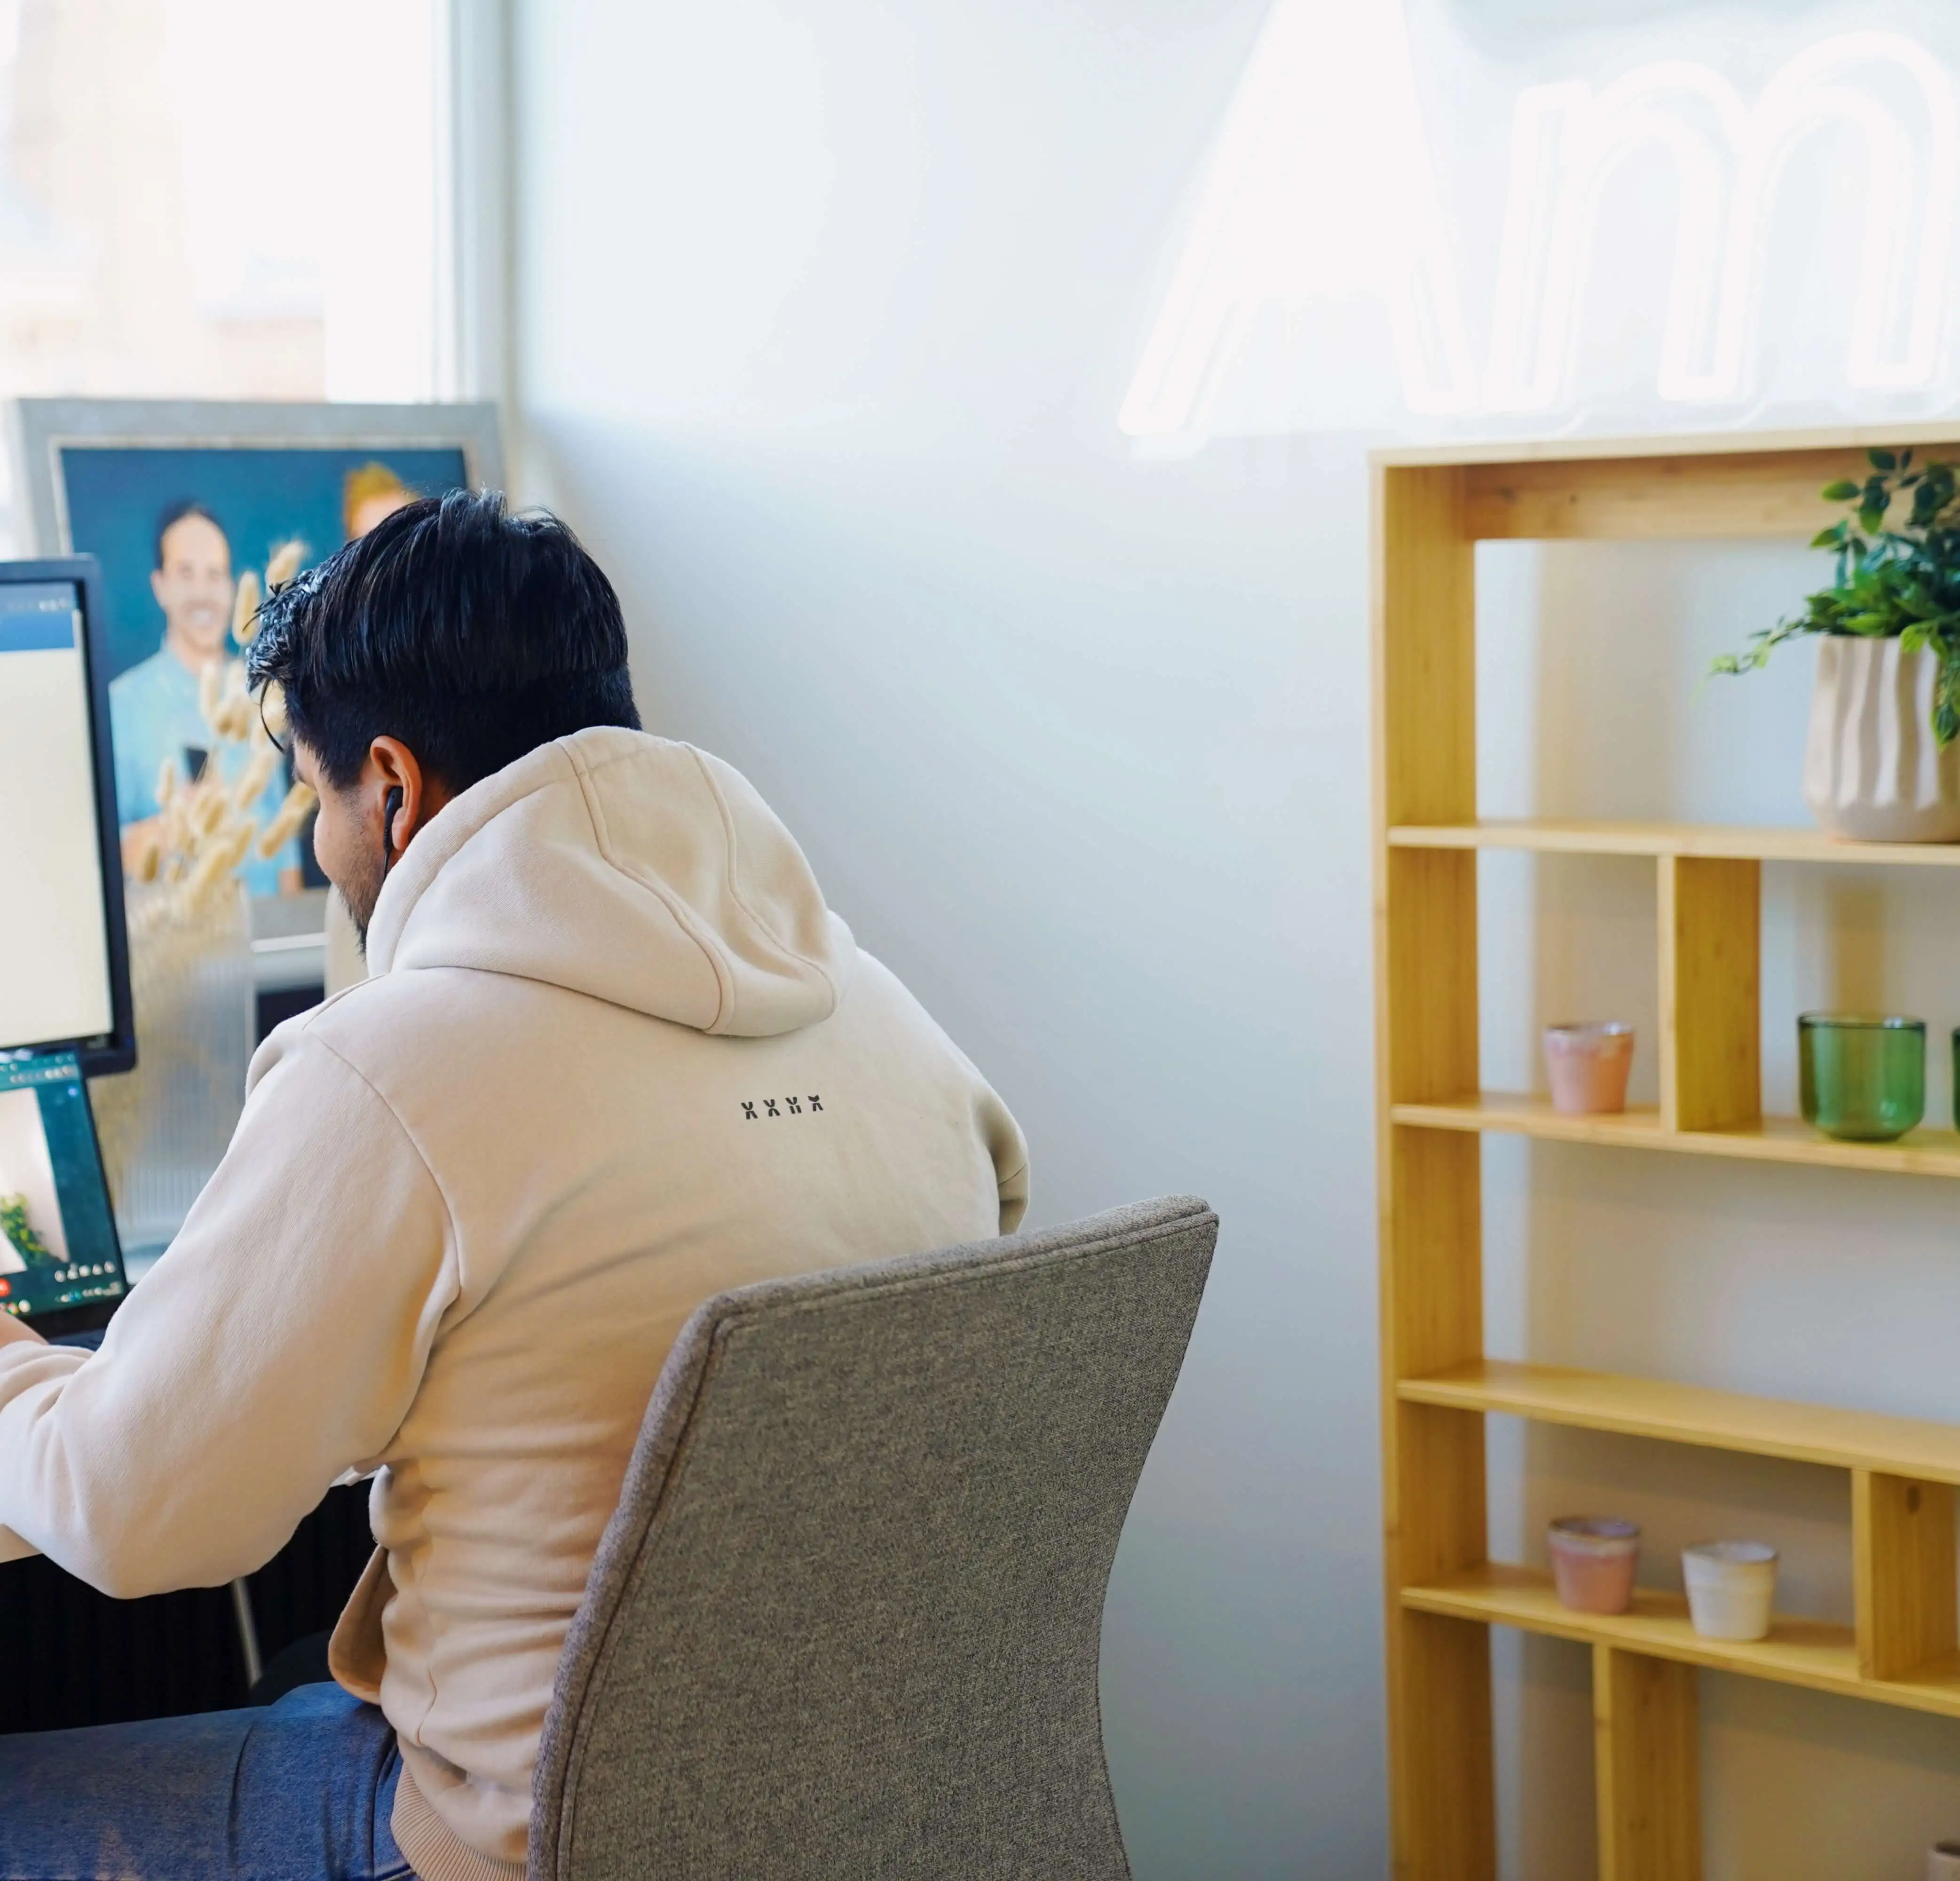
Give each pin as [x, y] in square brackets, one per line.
[20, 1234]
[1881, 764]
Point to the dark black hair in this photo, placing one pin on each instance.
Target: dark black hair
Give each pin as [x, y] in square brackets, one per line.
[174, 513]
[471, 634]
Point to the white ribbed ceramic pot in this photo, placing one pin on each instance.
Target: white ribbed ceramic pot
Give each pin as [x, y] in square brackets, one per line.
[1873, 771]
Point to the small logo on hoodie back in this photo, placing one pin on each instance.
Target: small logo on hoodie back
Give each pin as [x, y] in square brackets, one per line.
[763, 1109]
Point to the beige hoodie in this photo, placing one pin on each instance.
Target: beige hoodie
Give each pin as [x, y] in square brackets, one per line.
[614, 1056]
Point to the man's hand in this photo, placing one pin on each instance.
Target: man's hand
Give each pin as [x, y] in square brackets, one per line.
[14, 1330]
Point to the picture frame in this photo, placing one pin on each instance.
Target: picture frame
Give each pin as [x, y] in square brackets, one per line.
[106, 476]
[42, 430]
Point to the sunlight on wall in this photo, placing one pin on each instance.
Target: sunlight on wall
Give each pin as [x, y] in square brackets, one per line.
[1323, 190]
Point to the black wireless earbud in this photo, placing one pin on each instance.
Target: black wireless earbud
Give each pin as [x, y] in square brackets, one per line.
[391, 808]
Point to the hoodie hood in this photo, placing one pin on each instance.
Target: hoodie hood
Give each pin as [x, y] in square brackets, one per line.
[627, 867]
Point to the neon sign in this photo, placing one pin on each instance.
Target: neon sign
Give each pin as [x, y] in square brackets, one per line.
[1274, 231]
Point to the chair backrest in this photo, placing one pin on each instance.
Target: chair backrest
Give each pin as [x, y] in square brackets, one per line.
[847, 1618]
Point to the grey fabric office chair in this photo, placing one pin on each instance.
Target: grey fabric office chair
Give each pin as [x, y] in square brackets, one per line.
[846, 1620]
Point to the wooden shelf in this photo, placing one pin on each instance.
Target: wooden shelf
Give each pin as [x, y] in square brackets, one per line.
[1736, 842]
[1653, 488]
[1690, 1414]
[1661, 453]
[1797, 1651]
[1767, 1140]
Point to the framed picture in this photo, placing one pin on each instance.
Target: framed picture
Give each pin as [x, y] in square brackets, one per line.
[176, 498]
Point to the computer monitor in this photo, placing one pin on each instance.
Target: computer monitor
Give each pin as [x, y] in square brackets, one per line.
[64, 952]
[61, 1267]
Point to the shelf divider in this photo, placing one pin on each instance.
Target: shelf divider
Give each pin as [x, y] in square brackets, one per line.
[1903, 1566]
[1710, 992]
[1645, 1720]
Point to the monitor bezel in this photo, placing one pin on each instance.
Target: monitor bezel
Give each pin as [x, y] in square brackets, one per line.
[91, 1314]
[100, 1054]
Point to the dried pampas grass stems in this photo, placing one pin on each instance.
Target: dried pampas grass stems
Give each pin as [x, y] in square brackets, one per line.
[284, 564]
[245, 609]
[286, 822]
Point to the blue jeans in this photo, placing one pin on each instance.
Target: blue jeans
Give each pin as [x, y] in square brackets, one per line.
[300, 1791]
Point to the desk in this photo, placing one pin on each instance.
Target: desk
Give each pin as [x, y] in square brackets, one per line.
[74, 1656]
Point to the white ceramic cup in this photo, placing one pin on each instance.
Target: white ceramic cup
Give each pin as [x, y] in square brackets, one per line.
[1731, 1588]
[1942, 1862]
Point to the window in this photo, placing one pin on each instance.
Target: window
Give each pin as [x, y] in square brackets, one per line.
[220, 199]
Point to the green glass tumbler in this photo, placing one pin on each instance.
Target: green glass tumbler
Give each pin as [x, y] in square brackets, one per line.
[1862, 1079]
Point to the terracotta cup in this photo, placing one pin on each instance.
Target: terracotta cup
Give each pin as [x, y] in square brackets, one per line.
[1588, 1064]
[1593, 1557]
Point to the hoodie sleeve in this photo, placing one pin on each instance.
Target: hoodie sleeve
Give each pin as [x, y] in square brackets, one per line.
[278, 1345]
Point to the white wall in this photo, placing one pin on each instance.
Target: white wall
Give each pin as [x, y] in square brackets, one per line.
[824, 312]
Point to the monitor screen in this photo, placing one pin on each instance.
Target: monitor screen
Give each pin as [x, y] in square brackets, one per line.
[61, 950]
[58, 1246]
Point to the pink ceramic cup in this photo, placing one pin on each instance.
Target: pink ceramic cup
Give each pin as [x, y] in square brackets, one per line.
[1593, 1557]
[1588, 1064]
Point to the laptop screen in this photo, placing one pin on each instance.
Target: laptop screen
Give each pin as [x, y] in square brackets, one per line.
[58, 1245]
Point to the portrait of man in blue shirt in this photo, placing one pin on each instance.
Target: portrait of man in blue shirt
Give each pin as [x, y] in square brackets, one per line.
[154, 712]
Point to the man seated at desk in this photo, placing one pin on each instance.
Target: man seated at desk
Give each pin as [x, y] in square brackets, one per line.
[469, 1203]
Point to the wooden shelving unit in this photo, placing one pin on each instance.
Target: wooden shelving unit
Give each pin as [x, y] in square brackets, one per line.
[1444, 1593]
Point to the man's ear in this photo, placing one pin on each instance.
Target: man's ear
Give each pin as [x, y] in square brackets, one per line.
[409, 795]
[156, 585]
